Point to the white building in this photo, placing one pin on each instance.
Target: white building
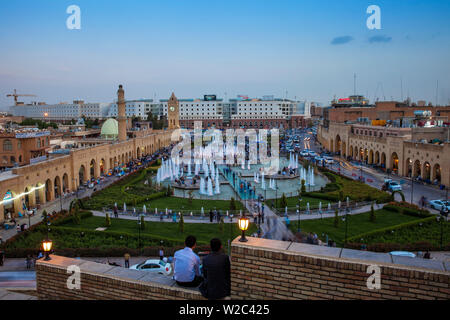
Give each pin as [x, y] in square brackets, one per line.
[198, 109]
[137, 108]
[62, 111]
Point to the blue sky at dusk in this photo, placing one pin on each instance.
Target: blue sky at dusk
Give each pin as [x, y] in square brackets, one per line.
[311, 49]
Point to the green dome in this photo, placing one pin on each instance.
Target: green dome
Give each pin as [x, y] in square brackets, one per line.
[110, 129]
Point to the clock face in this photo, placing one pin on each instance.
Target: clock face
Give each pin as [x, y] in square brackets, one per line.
[172, 109]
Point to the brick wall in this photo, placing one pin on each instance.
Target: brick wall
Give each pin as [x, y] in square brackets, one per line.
[104, 282]
[269, 269]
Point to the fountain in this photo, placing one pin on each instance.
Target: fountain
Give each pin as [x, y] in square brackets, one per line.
[210, 187]
[329, 207]
[197, 168]
[263, 182]
[124, 208]
[144, 209]
[217, 182]
[202, 185]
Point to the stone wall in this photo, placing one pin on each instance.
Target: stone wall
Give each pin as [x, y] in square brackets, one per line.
[104, 282]
[270, 269]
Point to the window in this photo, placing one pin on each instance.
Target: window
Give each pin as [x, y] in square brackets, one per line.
[7, 145]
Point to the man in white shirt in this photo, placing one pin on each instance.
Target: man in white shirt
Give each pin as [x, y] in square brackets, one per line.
[187, 265]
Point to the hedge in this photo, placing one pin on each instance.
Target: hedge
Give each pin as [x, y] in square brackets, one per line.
[382, 231]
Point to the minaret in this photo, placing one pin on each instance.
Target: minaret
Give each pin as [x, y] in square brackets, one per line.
[122, 118]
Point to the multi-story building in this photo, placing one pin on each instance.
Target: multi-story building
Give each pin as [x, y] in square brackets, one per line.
[138, 108]
[208, 110]
[62, 111]
[23, 146]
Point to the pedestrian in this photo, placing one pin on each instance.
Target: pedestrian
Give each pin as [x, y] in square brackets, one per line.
[28, 260]
[127, 260]
[161, 253]
[116, 213]
[427, 255]
[2, 257]
[211, 216]
[18, 228]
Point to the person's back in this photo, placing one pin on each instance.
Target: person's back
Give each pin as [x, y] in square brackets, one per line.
[216, 273]
[187, 265]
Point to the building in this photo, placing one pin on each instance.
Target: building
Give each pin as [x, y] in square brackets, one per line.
[138, 108]
[412, 152]
[20, 147]
[38, 183]
[62, 111]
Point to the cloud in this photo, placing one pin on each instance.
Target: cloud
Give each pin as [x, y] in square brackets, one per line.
[376, 39]
[341, 40]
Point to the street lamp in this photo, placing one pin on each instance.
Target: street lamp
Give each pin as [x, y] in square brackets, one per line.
[440, 219]
[139, 228]
[243, 223]
[47, 247]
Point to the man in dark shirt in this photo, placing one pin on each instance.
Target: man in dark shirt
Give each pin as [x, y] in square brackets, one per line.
[216, 273]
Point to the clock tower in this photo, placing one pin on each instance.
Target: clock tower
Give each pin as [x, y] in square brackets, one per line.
[173, 113]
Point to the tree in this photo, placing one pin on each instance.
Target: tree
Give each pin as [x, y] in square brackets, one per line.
[232, 205]
[107, 220]
[303, 188]
[181, 224]
[336, 218]
[341, 195]
[142, 223]
[372, 214]
[76, 213]
[221, 225]
[191, 196]
[283, 201]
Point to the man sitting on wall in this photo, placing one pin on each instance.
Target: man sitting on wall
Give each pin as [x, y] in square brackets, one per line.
[187, 265]
[216, 271]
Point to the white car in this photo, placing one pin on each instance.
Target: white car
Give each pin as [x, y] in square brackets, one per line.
[328, 160]
[440, 204]
[154, 265]
[403, 254]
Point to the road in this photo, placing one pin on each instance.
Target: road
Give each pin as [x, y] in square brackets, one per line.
[375, 178]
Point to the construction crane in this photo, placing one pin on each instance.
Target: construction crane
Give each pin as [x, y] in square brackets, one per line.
[15, 95]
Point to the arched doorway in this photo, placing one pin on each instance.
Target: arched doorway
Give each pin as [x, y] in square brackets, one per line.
[57, 184]
[437, 173]
[82, 175]
[417, 169]
[331, 145]
[27, 198]
[8, 205]
[338, 144]
[351, 152]
[370, 156]
[48, 190]
[408, 167]
[394, 162]
[366, 155]
[344, 149]
[92, 169]
[65, 182]
[377, 157]
[37, 198]
[102, 166]
[426, 175]
[383, 160]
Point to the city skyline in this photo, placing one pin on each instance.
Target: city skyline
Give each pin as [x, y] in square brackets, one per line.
[306, 50]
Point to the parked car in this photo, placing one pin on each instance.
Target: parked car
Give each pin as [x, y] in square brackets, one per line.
[328, 160]
[154, 265]
[439, 205]
[304, 153]
[403, 254]
[391, 185]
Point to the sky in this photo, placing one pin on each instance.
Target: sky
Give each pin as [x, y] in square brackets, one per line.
[307, 50]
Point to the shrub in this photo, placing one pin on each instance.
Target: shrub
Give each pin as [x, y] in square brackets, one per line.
[283, 201]
[107, 220]
[303, 188]
[232, 205]
[372, 216]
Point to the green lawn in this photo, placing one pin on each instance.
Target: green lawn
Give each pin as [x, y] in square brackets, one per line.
[183, 204]
[357, 224]
[203, 231]
[293, 201]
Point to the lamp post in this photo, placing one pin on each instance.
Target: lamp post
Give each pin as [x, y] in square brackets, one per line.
[139, 228]
[440, 219]
[243, 223]
[47, 246]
